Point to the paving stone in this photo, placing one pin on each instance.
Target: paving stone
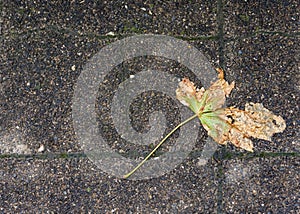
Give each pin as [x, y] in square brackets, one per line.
[265, 70]
[261, 185]
[192, 18]
[244, 18]
[37, 86]
[38, 78]
[76, 185]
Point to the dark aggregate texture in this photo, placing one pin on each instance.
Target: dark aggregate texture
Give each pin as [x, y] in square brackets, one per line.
[265, 71]
[262, 185]
[37, 85]
[65, 185]
[189, 18]
[44, 47]
[244, 18]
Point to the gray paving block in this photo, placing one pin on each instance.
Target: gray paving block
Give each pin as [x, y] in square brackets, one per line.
[243, 18]
[76, 185]
[261, 185]
[265, 70]
[192, 18]
[38, 79]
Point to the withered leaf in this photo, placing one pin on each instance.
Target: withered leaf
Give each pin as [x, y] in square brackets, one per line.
[255, 121]
[224, 124]
[229, 124]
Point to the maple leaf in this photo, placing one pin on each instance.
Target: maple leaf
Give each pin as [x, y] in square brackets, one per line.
[224, 124]
[228, 124]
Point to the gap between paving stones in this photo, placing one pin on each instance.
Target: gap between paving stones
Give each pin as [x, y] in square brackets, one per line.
[219, 156]
[194, 154]
[88, 34]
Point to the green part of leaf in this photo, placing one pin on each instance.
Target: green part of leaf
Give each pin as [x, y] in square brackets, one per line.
[203, 100]
[194, 104]
[215, 124]
[210, 101]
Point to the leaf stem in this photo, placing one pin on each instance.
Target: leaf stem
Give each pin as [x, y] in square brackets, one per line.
[160, 143]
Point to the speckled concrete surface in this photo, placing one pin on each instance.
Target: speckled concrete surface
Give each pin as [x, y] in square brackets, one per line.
[261, 185]
[103, 17]
[265, 71]
[250, 17]
[74, 185]
[44, 47]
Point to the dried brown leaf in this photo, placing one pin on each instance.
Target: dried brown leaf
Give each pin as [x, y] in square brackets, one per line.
[230, 124]
[255, 121]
